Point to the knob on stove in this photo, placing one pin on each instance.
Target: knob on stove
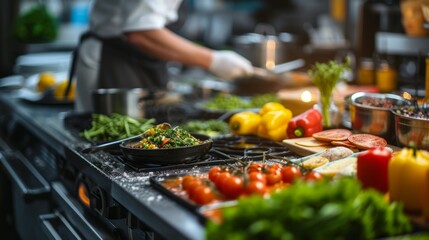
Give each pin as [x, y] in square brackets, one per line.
[98, 200]
[92, 197]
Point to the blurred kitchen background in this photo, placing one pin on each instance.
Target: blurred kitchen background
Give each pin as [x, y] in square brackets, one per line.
[371, 33]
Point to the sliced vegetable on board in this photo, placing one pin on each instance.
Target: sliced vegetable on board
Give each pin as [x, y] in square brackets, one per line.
[330, 135]
[367, 141]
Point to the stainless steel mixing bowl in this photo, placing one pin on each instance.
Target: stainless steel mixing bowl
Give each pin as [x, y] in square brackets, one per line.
[412, 131]
[375, 120]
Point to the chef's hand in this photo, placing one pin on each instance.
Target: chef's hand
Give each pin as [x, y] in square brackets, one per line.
[229, 65]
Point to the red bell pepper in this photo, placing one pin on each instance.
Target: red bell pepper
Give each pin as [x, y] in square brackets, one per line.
[372, 168]
[305, 124]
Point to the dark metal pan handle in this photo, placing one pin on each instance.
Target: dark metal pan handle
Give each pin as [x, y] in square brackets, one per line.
[25, 176]
[57, 227]
[108, 145]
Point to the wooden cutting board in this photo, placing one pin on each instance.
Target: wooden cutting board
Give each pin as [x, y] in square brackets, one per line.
[296, 145]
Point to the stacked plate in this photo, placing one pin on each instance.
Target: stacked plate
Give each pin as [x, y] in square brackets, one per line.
[29, 64]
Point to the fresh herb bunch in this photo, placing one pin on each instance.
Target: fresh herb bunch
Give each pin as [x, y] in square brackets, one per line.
[35, 26]
[114, 127]
[326, 76]
[317, 210]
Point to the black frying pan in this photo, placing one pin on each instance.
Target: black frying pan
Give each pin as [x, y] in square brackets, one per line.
[157, 156]
[166, 156]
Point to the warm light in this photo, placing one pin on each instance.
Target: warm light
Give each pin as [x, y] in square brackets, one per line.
[271, 54]
[83, 194]
[306, 96]
[407, 96]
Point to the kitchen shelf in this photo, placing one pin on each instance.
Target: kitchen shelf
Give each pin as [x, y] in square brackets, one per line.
[399, 43]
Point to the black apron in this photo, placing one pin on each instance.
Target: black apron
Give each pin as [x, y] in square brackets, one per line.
[123, 65]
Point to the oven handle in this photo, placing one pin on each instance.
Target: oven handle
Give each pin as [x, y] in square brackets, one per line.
[25, 176]
[54, 225]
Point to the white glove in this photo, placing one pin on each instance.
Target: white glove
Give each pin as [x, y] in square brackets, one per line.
[229, 65]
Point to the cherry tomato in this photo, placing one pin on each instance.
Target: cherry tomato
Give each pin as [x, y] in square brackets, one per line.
[257, 176]
[214, 171]
[203, 195]
[186, 180]
[222, 177]
[232, 187]
[273, 178]
[192, 187]
[256, 187]
[254, 167]
[313, 176]
[290, 173]
[276, 166]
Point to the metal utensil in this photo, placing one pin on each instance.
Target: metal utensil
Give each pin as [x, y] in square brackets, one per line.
[109, 145]
[278, 69]
[288, 66]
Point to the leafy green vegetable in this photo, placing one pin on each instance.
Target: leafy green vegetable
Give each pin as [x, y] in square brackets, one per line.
[116, 126]
[318, 210]
[36, 25]
[326, 76]
[212, 127]
[226, 102]
[258, 101]
[229, 102]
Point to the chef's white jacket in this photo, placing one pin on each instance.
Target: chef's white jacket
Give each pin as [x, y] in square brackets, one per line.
[112, 18]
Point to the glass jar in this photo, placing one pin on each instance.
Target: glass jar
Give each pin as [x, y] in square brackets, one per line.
[331, 117]
[386, 77]
[365, 74]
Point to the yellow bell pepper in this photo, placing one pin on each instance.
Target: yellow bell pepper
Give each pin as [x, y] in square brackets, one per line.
[262, 131]
[244, 123]
[409, 180]
[274, 124]
[271, 106]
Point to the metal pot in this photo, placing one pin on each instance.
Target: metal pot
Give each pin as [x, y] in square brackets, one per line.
[412, 131]
[265, 49]
[375, 120]
[130, 102]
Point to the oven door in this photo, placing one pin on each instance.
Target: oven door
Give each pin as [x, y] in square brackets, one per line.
[28, 195]
[85, 224]
[42, 210]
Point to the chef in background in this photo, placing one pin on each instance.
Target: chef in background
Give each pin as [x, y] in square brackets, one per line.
[128, 44]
